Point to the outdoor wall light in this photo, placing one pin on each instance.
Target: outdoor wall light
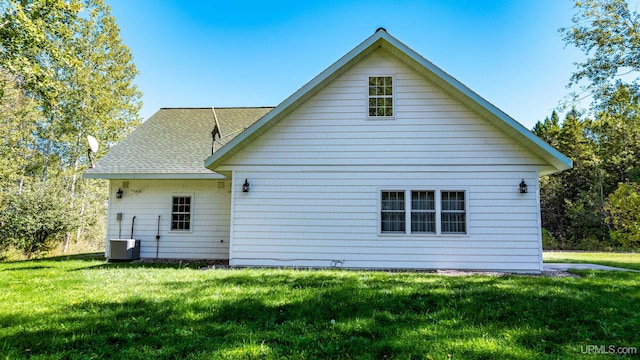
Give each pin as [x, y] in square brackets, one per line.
[119, 194]
[245, 186]
[523, 187]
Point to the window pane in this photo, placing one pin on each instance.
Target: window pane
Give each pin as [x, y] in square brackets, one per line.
[453, 223]
[423, 222]
[393, 221]
[393, 200]
[423, 200]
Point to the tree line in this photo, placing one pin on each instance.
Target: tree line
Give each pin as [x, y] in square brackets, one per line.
[596, 205]
[65, 73]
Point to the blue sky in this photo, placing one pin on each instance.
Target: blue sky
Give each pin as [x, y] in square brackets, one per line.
[245, 53]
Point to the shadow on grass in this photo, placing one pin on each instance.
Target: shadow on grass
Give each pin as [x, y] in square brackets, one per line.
[285, 314]
[86, 257]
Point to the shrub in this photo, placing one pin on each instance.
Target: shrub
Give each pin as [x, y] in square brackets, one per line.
[32, 219]
[622, 207]
[549, 242]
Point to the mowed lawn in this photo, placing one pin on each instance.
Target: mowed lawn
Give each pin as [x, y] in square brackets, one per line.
[623, 260]
[88, 309]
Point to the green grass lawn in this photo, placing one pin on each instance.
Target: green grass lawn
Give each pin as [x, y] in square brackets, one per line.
[623, 260]
[87, 309]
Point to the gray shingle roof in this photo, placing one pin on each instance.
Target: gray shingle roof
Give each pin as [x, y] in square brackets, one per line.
[173, 143]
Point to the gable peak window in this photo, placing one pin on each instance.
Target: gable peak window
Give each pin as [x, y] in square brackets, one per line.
[380, 96]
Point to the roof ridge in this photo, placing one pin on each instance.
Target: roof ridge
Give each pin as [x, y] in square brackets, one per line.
[216, 107]
[189, 108]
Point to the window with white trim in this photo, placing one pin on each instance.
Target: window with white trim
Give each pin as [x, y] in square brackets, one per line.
[181, 213]
[423, 212]
[393, 214]
[380, 96]
[429, 212]
[453, 213]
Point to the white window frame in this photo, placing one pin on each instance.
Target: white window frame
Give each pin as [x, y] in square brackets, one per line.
[392, 96]
[438, 212]
[191, 208]
[421, 211]
[464, 211]
[404, 210]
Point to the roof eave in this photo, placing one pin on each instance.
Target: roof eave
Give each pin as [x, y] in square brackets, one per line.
[153, 176]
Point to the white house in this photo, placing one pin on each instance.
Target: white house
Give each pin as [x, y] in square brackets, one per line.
[381, 161]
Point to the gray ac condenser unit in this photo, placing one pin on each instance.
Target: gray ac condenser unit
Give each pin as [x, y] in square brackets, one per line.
[124, 249]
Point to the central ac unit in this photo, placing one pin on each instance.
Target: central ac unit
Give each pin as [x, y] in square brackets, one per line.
[124, 249]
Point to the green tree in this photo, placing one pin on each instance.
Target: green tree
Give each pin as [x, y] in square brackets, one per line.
[18, 116]
[67, 58]
[622, 207]
[609, 35]
[617, 131]
[32, 219]
[548, 129]
[570, 201]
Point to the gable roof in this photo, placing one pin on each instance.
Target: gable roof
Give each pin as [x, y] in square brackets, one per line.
[173, 143]
[381, 39]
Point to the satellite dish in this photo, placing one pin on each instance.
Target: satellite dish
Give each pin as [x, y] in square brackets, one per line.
[93, 143]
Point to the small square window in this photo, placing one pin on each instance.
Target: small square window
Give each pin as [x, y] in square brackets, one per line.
[380, 96]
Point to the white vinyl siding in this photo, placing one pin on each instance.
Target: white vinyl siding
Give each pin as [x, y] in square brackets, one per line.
[317, 176]
[147, 200]
[292, 218]
[431, 128]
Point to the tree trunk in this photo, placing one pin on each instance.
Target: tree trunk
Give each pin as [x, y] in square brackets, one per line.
[72, 192]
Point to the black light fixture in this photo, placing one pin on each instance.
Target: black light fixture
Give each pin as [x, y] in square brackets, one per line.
[523, 187]
[245, 186]
[119, 194]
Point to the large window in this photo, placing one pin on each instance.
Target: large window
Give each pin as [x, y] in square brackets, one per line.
[380, 96]
[181, 213]
[429, 212]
